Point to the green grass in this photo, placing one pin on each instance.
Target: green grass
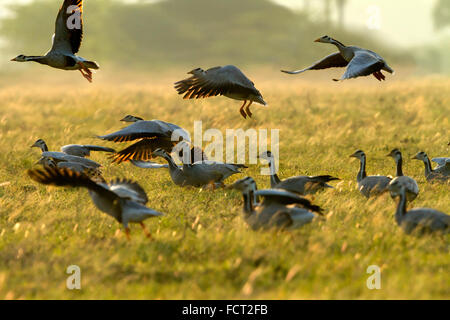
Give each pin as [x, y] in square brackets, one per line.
[202, 249]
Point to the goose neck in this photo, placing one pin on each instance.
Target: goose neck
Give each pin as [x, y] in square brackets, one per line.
[362, 169]
[427, 164]
[274, 179]
[401, 207]
[399, 162]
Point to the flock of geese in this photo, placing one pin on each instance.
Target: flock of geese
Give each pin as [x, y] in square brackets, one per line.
[283, 206]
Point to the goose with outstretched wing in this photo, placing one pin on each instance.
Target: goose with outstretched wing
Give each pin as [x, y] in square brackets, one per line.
[66, 42]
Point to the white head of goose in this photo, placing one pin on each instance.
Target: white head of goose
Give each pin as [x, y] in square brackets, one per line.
[228, 81]
[302, 185]
[421, 220]
[359, 61]
[122, 199]
[66, 42]
[412, 189]
[280, 209]
[441, 173]
[369, 185]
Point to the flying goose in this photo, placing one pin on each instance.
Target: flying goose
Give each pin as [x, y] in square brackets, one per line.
[151, 135]
[122, 199]
[228, 81]
[302, 185]
[66, 42]
[359, 61]
[418, 219]
[280, 209]
[78, 150]
[369, 185]
[90, 171]
[200, 173]
[440, 173]
[412, 189]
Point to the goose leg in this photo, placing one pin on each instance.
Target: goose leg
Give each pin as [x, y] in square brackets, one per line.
[87, 74]
[127, 233]
[147, 234]
[241, 110]
[247, 109]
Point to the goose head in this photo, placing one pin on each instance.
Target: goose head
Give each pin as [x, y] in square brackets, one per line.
[130, 118]
[160, 153]
[324, 39]
[395, 153]
[359, 154]
[396, 187]
[20, 58]
[244, 185]
[40, 144]
[420, 156]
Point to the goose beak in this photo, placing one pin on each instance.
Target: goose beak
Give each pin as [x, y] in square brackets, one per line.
[13, 59]
[353, 156]
[317, 40]
[415, 157]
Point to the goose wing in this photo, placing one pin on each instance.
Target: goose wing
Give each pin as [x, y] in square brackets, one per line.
[69, 27]
[215, 81]
[144, 129]
[142, 150]
[363, 63]
[286, 197]
[442, 161]
[334, 60]
[148, 164]
[83, 150]
[60, 156]
[127, 189]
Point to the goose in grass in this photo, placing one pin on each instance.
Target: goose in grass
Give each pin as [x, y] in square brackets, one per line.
[369, 185]
[412, 189]
[440, 173]
[200, 173]
[79, 150]
[280, 209]
[359, 61]
[150, 135]
[66, 42]
[90, 171]
[421, 220]
[122, 199]
[302, 185]
[226, 81]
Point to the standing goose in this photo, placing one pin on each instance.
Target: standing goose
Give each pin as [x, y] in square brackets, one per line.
[369, 185]
[200, 173]
[66, 42]
[151, 135]
[122, 199]
[302, 185]
[228, 81]
[421, 220]
[359, 61]
[78, 150]
[412, 189]
[280, 209]
[440, 173]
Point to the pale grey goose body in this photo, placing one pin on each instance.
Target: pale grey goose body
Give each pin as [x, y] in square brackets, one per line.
[359, 61]
[421, 220]
[369, 185]
[228, 81]
[302, 185]
[151, 135]
[79, 150]
[122, 199]
[200, 173]
[66, 42]
[440, 173]
[280, 209]
[411, 186]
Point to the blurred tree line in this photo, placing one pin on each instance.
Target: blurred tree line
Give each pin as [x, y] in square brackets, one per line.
[193, 33]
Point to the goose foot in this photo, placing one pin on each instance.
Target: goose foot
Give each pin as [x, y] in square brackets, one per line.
[247, 109]
[379, 75]
[127, 233]
[87, 74]
[147, 234]
[241, 110]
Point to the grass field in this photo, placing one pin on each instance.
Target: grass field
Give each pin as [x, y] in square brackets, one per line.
[202, 249]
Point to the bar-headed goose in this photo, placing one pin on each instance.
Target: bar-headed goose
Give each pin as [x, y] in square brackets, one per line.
[421, 220]
[302, 185]
[412, 189]
[359, 61]
[151, 135]
[228, 81]
[122, 199]
[90, 171]
[79, 150]
[66, 42]
[280, 209]
[369, 185]
[441, 173]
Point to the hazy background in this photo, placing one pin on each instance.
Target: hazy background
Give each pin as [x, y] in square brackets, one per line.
[169, 34]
